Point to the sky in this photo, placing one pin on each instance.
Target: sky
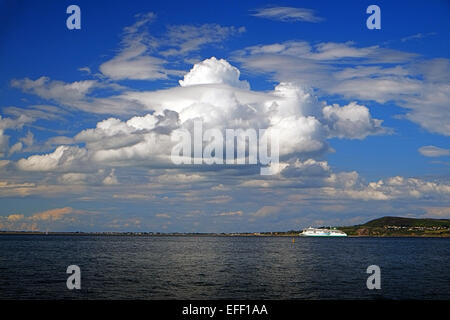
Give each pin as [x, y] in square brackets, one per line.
[88, 116]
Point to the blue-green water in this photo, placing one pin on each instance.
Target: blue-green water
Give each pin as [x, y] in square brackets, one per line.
[121, 267]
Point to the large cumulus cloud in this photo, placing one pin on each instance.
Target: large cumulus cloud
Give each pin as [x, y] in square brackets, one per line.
[212, 92]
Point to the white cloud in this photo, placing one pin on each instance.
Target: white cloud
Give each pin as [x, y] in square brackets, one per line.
[395, 188]
[352, 121]
[4, 143]
[143, 56]
[162, 215]
[15, 148]
[382, 89]
[28, 140]
[55, 90]
[183, 39]
[368, 73]
[134, 66]
[54, 214]
[63, 157]
[85, 69]
[139, 139]
[111, 179]
[432, 151]
[231, 213]
[419, 35]
[213, 71]
[316, 179]
[73, 178]
[73, 95]
[287, 14]
[14, 123]
[429, 107]
[133, 61]
[266, 211]
[213, 92]
[438, 212]
[299, 135]
[308, 168]
[11, 124]
[178, 178]
[35, 112]
[40, 221]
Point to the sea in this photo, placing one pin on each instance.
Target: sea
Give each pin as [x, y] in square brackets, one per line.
[223, 267]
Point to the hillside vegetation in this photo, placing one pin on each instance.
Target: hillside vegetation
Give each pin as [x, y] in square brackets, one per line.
[398, 226]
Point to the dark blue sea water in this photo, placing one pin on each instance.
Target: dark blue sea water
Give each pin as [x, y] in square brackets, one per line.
[120, 267]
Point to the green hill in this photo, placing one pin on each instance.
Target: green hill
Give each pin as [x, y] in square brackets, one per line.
[399, 226]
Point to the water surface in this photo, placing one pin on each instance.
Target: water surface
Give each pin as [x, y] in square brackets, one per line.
[187, 267]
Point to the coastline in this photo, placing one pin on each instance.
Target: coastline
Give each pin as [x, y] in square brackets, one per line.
[150, 234]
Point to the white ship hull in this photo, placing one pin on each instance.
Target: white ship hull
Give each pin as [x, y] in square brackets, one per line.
[313, 232]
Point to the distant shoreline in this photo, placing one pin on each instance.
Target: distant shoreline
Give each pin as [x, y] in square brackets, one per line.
[144, 234]
[385, 227]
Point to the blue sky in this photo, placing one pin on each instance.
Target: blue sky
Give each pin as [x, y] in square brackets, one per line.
[364, 113]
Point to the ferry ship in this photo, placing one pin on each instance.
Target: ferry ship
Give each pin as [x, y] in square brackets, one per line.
[314, 232]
